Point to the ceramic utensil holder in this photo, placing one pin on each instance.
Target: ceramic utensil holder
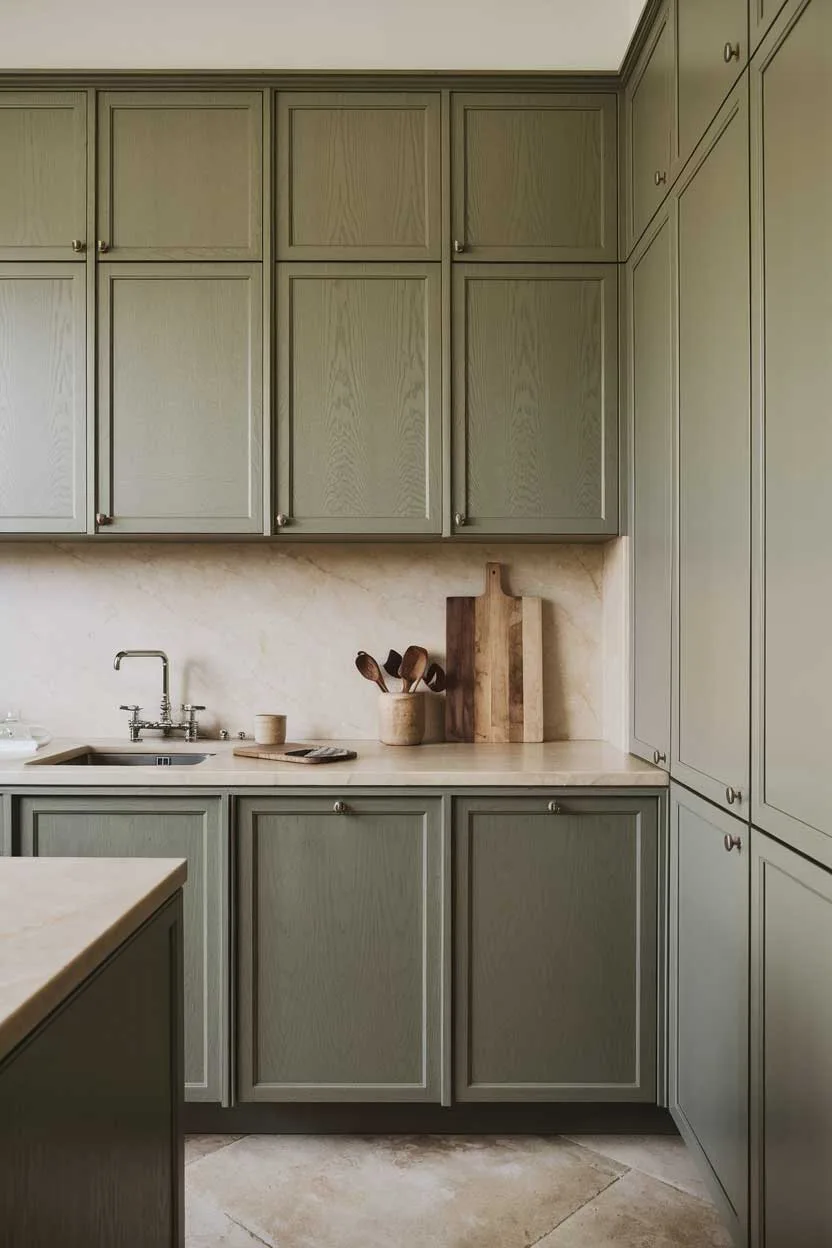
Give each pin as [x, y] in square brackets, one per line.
[270, 729]
[401, 718]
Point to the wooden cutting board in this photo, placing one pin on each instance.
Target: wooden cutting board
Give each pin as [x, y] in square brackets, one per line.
[277, 754]
[494, 665]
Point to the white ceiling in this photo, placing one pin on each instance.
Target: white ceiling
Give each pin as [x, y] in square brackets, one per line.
[316, 34]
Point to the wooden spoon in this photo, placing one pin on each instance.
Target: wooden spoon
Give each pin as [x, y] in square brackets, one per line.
[435, 678]
[413, 667]
[392, 664]
[370, 670]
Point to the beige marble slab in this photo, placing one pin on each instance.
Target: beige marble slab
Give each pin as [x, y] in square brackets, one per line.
[551, 764]
[60, 918]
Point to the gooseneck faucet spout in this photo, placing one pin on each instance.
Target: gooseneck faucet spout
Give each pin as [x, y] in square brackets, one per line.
[151, 654]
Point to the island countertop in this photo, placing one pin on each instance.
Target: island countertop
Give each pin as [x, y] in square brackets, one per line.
[448, 766]
[60, 918]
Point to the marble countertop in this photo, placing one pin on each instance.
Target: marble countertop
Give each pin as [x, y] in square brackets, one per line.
[60, 918]
[553, 763]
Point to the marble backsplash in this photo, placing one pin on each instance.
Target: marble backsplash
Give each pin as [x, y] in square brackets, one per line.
[263, 627]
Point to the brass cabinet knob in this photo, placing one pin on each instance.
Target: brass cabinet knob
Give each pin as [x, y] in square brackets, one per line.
[340, 808]
[78, 245]
[554, 808]
[459, 246]
[658, 757]
[731, 841]
[731, 52]
[281, 520]
[660, 177]
[459, 519]
[102, 519]
[733, 795]
[103, 247]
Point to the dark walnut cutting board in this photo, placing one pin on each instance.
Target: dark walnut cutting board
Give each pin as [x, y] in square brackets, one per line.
[494, 665]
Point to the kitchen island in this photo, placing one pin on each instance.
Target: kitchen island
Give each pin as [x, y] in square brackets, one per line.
[90, 1053]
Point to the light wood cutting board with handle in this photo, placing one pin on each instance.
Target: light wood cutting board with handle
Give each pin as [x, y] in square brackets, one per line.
[494, 665]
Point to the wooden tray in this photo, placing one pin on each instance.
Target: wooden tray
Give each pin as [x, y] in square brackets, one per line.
[277, 754]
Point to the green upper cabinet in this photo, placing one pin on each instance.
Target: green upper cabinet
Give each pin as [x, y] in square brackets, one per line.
[708, 1061]
[712, 48]
[649, 125]
[179, 175]
[534, 177]
[791, 95]
[43, 186]
[42, 398]
[180, 424]
[340, 934]
[651, 400]
[359, 398]
[555, 949]
[535, 399]
[358, 176]
[711, 630]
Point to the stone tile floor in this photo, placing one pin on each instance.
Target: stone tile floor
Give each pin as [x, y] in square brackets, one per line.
[445, 1192]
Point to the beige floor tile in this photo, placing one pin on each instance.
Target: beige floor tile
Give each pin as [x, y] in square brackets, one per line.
[208, 1227]
[197, 1146]
[391, 1192]
[640, 1212]
[664, 1157]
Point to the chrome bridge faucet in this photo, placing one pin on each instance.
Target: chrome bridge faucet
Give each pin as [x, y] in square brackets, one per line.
[188, 725]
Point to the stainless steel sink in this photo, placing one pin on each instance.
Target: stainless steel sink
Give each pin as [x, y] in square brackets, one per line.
[132, 758]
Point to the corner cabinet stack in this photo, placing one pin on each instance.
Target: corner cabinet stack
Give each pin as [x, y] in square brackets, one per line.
[346, 312]
[726, 209]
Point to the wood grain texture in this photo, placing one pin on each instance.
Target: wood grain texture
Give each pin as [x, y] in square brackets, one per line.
[43, 157]
[711, 626]
[42, 398]
[556, 948]
[180, 397]
[90, 1143]
[703, 27]
[791, 96]
[535, 398]
[535, 176]
[178, 827]
[494, 654]
[359, 176]
[359, 398]
[340, 922]
[180, 175]
[708, 1061]
[650, 119]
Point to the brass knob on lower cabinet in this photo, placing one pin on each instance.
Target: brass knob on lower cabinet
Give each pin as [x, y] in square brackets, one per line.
[658, 757]
[733, 795]
[660, 177]
[731, 841]
[554, 808]
[459, 247]
[459, 519]
[731, 52]
[102, 519]
[340, 808]
[281, 520]
[79, 246]
[103, 247]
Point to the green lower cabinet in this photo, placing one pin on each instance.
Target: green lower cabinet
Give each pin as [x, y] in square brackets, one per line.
[708, 1058]
[791, 1056]
[158, 827]
[556, 949]
[340, 946]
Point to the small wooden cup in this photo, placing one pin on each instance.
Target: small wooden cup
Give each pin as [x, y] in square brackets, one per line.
[401, 718]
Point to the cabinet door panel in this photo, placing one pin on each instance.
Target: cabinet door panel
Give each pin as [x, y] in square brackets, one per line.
[359, 398]
[709, 891]
[555, 983]
[535, 176]
[791, 1054]
[43, 188]
[650, 121]
[180, 175]
[650, 327]
[42, 398]
[704, 30]
[340, 927]
[761, 14]
[359, 176]
[711, 634]
[792, 315]
[180, 398]
[179, 827]
[535, 398]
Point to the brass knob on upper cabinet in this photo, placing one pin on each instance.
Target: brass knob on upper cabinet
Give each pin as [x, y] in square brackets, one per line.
[554, 808]
[733, 795]
[459, 519]
[103, 247]
[731, 52]
[459, 246]
[340, 808]
[660, 177]
[78, 245]
[281, 520]
[102, 519]
[658, 757]
[731, 841]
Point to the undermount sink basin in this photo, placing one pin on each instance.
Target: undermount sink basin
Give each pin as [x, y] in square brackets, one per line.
[137, 758]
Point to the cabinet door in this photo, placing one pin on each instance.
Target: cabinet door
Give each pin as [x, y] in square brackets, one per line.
[708, 1061]
[43, 389]
[43, 188]
[359, 176]
[650, 325]
[791, 1051]
[359, 395]
[158, 827]
[555, 962]
[761, 14]
[179, 175]
[650, 119]
[711, 631]
[534, 177]
[535, 399]
[791, 85]
[712, 50]
[340, 928]
[180, 398]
